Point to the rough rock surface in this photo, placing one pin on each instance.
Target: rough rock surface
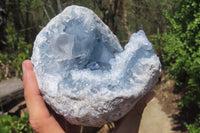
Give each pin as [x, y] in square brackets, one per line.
[83, 72]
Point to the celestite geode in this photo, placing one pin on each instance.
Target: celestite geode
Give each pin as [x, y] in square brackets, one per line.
[83, 72]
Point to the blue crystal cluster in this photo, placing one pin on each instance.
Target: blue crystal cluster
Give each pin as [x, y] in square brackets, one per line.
[83, 72]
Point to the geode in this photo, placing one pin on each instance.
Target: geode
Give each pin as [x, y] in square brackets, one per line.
[83, 72]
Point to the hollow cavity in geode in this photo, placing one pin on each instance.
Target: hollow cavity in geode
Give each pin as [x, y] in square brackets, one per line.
[83, 72]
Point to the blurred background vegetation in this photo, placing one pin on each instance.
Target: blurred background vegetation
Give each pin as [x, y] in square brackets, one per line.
[173, 26]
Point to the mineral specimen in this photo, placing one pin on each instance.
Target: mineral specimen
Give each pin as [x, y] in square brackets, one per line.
[83, 72]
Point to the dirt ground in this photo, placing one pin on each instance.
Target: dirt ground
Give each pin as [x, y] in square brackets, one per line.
[154, 119]
[169, 99]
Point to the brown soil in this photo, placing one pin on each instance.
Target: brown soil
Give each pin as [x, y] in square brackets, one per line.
[169, 99]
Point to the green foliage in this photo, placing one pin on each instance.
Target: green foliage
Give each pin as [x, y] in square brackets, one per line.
[180, 51]
[194, 128]
[14, 124]
[184, 50]
[26, 17]
[14, 54]
[180, 48]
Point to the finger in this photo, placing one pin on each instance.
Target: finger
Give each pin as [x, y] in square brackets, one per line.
[40, 118]
[130, 123]
[148, 97]
[139, 107]
[36, 106]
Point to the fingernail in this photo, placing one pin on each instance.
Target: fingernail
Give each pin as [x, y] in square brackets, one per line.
[23, 67]
[24, 74]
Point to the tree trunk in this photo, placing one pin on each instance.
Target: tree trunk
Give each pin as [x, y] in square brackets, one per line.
[2, 24]
[59, 6]
[15, 10]
[123, 15]
[27, 21]
[109, 12]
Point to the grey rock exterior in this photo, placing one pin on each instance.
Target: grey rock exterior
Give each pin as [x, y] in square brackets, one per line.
[85, 75]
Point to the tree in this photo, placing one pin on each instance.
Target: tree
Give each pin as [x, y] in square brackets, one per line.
[109, 11]
[185, 25]
[181, 52]
[2, 24]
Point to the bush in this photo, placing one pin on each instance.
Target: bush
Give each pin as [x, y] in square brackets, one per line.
[195, 127]
[14, 124]
[180, 51]
[13, 55]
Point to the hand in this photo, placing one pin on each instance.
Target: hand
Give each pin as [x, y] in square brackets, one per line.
[130, 123]
[43, 120]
